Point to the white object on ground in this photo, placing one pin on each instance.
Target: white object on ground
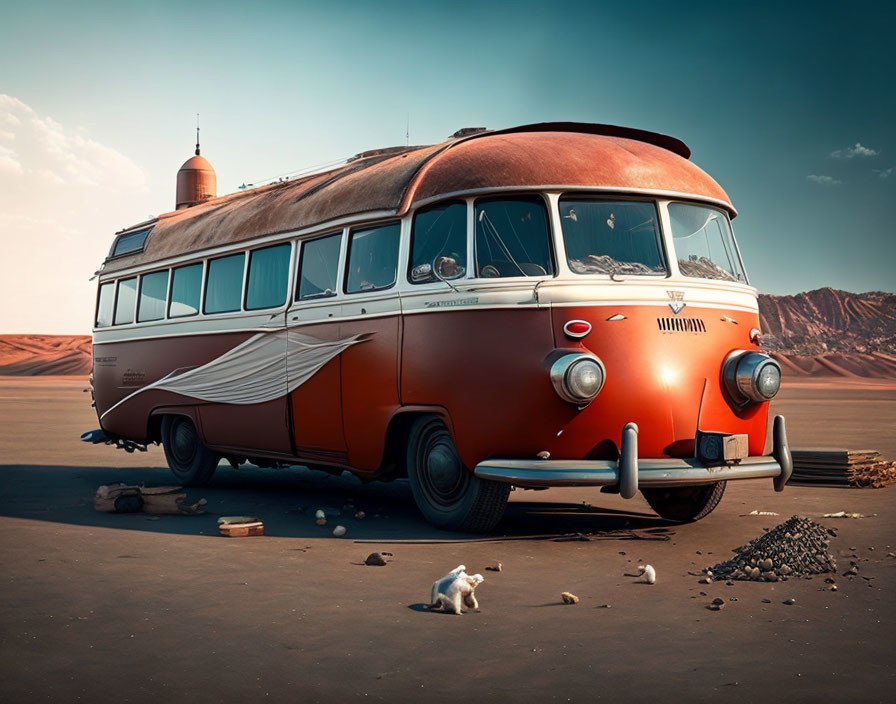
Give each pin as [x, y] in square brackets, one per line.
[453, 590]
[648, 573]
[339, 531]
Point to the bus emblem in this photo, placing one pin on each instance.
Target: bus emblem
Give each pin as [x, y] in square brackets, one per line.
[676, 301]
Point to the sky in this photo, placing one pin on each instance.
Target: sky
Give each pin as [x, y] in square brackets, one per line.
[791, 109]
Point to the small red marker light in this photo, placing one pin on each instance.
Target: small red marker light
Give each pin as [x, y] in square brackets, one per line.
[577, 328]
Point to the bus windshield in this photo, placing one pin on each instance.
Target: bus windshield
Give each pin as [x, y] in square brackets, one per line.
[612, 237]
[704, 243]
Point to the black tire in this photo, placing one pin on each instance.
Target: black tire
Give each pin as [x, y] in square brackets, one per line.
[191, 462]
[686, 504]
[448, 494]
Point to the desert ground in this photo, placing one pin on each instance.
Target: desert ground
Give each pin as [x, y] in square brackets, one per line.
[122, 607]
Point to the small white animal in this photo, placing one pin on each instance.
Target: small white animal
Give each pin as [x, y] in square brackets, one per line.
[454, 589]
[648, 573]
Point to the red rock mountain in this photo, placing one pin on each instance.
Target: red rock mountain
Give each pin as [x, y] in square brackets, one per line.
[40, 355]
[831, 333]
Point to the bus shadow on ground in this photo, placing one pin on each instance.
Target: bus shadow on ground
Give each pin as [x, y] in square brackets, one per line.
[287, 500]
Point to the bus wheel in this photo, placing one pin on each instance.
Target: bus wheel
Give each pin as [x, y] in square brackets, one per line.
[685, 504]
[191, 462]
[448, 494]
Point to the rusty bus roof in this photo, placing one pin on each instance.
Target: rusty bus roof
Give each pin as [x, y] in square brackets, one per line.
[391, 181]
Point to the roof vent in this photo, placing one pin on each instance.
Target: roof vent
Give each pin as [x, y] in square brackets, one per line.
[467, 131]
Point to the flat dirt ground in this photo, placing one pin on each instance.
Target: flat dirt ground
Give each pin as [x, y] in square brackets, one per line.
[102, 607]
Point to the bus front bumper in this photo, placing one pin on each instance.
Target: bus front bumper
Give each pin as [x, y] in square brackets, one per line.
[630, 472]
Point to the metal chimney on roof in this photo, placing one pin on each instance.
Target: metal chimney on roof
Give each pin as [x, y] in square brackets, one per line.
[196, 179]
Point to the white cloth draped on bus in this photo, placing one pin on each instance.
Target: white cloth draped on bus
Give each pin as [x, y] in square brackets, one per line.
[264, 367]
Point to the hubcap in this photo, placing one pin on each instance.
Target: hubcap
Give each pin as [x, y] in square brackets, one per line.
[183, 442]
[442, 475]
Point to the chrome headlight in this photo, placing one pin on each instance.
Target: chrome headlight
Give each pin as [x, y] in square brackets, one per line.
[751, 376]
[578, 378]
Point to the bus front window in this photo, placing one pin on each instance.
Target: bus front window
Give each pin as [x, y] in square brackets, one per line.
[704, 243]
[612, 237]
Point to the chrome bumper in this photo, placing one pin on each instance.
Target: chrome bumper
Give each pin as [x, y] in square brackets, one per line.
[630, 472]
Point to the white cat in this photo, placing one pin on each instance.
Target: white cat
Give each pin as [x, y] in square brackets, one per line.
[455, 588]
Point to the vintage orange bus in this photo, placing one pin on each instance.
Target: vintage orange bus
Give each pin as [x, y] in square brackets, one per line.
[557, 304]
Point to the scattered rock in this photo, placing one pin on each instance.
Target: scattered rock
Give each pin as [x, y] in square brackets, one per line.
[339, 531]
[733, 598]
[569, 598]
[789, 602]
[321, 521]
[319, 514]
[706, 580]
[604, 606]
[718, 601]
[766, 601]
[360, 515]
[833, 587]
[497, 567]
[375, 559]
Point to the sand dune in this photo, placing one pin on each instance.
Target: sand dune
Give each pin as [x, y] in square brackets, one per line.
[44, 355]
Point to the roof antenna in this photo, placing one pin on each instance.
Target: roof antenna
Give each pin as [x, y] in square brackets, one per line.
[197, 134]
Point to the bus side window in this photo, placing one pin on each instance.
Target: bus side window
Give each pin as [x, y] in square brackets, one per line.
[153, 292]
[186, 288]
[104, 305]
[372, 261]
[318, 268]
[126, 301]
[512, 238]
[439, 243]
[268, 277]
[224, 284]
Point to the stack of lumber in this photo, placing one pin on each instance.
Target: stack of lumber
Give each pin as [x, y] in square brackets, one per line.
[862, 468]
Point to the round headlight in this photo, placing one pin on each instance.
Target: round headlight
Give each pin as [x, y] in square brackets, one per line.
[751, 376]
[578, 378]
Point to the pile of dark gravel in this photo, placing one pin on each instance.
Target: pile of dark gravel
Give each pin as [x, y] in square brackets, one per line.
[796, 548]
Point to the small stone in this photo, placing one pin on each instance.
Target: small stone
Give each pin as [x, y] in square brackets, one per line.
[770, 576]
[833, 587]
[766, 565]
[375, 559]
[339, 531]
[321, 521]
[706, 580]
[716, 607]
[766, 601]
[789, 602]
[360, 516]
[785, 569]
[891, 554]
[733, 598]
[604, 606]
[569, 598]
[320, 514]
[729, 583]
[497, 567]
[718, 601]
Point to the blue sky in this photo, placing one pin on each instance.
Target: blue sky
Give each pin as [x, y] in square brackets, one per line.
[772, 101]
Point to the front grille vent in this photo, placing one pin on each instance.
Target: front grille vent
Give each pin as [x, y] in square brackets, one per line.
[681, 324]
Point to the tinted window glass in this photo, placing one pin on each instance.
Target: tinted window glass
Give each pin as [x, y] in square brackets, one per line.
[126, 300]
[512, 238]
[268, 277]
[224, 284]
[439, 242]
[372, 258]
[704, 243]
[130, 243]
[153, 292]
[611, 237]
[186, 287]
[320, 260]
[104, 305]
